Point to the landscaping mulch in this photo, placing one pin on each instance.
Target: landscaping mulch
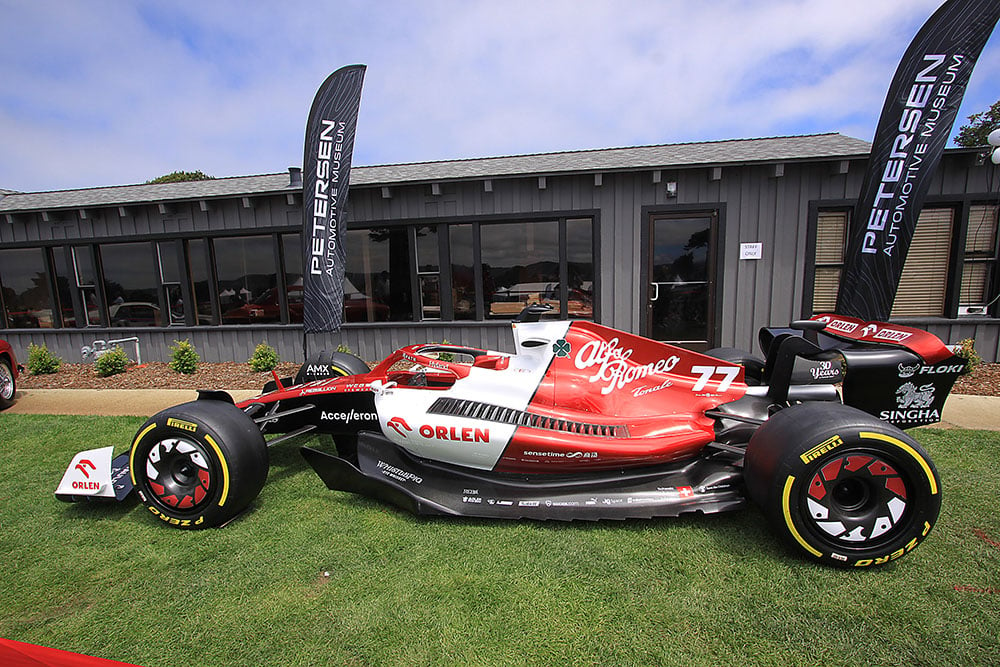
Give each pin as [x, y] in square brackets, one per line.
[157, 375]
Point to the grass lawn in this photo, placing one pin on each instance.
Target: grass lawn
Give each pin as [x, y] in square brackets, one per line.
[313, 577]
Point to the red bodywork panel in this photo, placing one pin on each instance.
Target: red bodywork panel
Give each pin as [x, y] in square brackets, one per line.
[655, 394]
[595, 399]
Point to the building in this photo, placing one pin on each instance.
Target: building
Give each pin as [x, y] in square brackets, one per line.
[700, 244]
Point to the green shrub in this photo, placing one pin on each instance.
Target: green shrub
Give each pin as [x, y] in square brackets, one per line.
[967, 351]
[265, 358]
[41, 361]
[343, 348]
[112, 362]
[183, 357]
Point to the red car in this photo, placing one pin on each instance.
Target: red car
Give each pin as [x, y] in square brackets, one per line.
[9, 370]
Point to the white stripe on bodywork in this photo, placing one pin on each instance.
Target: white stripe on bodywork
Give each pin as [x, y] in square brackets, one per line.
[513, 387]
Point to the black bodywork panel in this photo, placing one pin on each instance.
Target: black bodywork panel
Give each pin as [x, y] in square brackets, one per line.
[386, 472]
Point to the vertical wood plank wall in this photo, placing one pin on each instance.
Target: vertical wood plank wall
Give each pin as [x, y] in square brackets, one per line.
[758, 206]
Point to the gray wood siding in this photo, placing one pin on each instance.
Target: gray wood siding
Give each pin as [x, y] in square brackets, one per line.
[758, 207]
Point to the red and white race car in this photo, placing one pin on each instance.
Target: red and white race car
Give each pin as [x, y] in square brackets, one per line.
[582, 422]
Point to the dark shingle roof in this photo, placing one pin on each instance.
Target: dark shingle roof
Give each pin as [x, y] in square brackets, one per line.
[666, 156]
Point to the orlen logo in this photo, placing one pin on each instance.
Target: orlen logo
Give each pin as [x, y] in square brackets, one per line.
[838, 325]
[453, 433]
[399, 425]
[83, 465]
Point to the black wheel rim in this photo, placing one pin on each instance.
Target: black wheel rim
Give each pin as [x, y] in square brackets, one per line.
[858, 499]
[179, 473]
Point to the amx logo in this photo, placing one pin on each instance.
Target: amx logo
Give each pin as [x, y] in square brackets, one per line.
[399, 425]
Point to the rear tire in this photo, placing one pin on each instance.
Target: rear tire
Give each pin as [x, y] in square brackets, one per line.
[753, 366]
[199, 464]
[841, 486]
[8, 385]
[327, 365]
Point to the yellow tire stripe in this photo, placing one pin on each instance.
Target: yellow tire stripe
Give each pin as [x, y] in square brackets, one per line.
[909, 450]
[225, 469]
[131, 454]
[785, 496]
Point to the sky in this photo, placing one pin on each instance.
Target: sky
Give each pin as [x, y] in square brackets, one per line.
[111, 92]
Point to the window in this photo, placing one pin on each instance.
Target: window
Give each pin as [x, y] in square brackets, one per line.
[469, 270]
[377, 285]
[247, 280]
[924, 283]
[979, 267]
[925, 286]
[201, 280]
[131, 285]
[520, 265]
[831, 239]
[84, 287]
[429, 272]
[580, 268]
[463, 273]
[291, 248]
[171, 273]
[62, 264]
[26, 299]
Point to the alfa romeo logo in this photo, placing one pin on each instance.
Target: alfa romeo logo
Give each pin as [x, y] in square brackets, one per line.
[562, 348]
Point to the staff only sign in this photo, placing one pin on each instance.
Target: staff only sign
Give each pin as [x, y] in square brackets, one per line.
[326, 174]
[915, 124]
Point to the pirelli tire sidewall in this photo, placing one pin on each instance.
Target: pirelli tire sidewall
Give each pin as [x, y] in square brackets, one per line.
[219, 435]
[800, 447]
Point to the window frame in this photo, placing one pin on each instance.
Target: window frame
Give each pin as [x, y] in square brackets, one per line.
[185, 255]
[961, 205]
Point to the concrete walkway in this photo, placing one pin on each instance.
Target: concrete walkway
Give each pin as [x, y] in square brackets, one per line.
[109, 402]
[960, 411]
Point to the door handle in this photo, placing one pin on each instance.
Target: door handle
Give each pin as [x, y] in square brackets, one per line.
[656, 292]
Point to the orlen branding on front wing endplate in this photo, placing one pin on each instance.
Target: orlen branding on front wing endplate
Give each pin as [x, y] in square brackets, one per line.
[89, 474]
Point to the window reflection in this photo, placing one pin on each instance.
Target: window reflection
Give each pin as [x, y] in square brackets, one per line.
[247, 286]
[520, 264]
[377, 285]
[291, 246]
[130, 284]
[393, 273]
[26, 292]
[201, 279]
[463, 279]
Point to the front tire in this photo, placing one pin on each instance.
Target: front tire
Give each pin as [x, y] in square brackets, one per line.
[841, 486]
[8, 385]
[199, 464]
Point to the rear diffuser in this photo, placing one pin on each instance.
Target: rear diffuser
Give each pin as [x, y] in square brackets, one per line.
[388, 473]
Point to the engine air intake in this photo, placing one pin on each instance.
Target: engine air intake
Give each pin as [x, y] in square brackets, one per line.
[457, 407]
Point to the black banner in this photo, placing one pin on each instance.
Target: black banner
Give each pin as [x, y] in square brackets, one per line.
[915, 125]
[326, 174]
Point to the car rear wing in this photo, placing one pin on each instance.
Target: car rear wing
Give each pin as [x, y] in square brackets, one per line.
[898, 374]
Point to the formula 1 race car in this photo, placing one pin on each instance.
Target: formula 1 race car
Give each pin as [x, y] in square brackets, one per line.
[582, 422]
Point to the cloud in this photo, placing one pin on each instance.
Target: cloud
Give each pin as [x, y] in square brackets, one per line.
[103, 92]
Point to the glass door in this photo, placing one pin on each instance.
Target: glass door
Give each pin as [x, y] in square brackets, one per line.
[679, 293]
